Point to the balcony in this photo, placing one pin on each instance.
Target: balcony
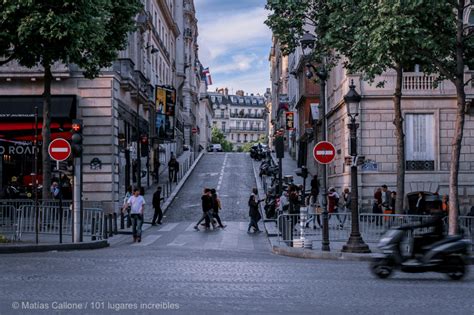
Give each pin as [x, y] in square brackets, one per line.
[124, 67]
[219, 116]
[239, 129]
[254, 116]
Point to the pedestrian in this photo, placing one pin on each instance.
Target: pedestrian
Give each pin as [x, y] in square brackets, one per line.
[393, 199]
[125, 207]
[137, 208]
[386, 198]
[173, 168]
[445, 205]
[377, 205]
[333, 205]
[55, 191]
[216, 205]
[206, 204]
[254, 213]
[421, 204]
[157, 206]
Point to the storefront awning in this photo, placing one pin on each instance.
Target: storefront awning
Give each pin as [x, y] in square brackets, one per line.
[17, 107]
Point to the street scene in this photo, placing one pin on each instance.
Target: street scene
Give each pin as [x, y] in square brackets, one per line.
[236, 157]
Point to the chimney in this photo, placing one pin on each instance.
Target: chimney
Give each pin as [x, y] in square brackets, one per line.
[240, 93]
[226, 91]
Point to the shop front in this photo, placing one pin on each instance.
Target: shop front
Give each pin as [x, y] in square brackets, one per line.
[19, 129]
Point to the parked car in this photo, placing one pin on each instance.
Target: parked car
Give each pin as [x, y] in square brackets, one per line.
[216, 147]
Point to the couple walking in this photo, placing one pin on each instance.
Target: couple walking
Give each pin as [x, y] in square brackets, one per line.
[211, 204]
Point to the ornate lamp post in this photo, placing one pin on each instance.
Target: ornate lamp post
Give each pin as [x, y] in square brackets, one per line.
[355, 244]
[307, 45]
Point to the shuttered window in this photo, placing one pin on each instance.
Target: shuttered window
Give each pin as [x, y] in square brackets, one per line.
[420, 144]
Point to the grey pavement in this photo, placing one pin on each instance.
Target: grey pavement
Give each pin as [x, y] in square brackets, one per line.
[214, 272]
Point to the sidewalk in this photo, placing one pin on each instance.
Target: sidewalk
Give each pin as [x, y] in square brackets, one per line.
[169, 192]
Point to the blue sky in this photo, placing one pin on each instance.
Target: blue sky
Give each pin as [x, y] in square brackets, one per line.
[234, 43]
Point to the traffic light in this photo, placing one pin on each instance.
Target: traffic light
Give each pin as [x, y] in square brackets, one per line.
[144, 145]
[76, 137]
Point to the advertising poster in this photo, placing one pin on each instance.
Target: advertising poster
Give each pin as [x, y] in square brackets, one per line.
[160, 100]
[290, 121]
[165, 100]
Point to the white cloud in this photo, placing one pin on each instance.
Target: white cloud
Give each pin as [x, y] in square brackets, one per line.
[252, 82]
[230, 32]
[238, 63]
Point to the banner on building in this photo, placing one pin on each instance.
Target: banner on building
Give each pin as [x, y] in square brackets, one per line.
[164, 127]
[165, 100]
[315, 111]
[283, 103]
[290, 121]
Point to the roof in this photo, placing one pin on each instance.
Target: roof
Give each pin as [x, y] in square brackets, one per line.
[236, 100]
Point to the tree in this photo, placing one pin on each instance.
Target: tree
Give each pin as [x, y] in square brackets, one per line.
[84, 32]
[448, 43]
[374, 37]
[218, 137]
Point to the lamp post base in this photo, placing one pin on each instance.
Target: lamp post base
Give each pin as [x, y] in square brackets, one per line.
[355, 244]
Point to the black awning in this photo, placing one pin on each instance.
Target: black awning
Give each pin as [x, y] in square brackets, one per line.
[16, 107]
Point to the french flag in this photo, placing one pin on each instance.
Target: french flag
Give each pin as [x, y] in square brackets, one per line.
[207, 76]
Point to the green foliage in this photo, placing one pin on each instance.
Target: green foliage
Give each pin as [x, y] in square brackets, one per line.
[3, 239]
[218, 137]
[84, 32]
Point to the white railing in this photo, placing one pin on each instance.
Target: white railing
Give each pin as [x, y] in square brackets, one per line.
[417, 82]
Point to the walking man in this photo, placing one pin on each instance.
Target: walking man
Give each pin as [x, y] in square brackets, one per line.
[206, 203]
[173, 168]
[157, 206]
[216, 204]
[254, 213]
[137, 207]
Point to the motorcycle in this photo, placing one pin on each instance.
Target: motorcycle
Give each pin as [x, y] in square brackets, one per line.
[448, 254]
[271, 204]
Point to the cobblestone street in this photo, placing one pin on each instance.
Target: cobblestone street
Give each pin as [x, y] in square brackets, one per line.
[214, 272]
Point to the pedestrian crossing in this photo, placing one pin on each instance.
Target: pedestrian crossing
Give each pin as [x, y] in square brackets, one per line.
[182, 235]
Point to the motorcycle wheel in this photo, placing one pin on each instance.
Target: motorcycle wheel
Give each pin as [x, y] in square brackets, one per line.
[381, 268]
[456, 267]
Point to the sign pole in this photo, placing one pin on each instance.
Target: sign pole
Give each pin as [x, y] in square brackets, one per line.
[77, 200]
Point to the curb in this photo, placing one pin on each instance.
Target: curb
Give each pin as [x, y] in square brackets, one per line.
[15, 249]
[181, 184]
[312, 254]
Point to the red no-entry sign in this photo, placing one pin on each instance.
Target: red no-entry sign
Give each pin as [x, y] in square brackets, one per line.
[59, 149]
[324, 152]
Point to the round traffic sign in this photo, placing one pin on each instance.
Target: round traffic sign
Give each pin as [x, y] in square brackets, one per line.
[324, 152]
[59, 149]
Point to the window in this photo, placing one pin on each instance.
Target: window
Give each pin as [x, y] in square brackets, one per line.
[244, 124]
[223, 126]
[222, 113]
[420, 142]
[245, 137]
[238, 137]
[237, 124]
[232, 136]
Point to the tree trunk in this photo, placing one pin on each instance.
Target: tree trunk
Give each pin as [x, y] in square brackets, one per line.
[459, 126]
[46, 131]
[400, 135]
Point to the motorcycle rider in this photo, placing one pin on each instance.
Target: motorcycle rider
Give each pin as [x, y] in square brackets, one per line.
[436, 234]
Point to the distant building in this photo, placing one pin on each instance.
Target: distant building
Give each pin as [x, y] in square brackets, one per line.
[242, 118]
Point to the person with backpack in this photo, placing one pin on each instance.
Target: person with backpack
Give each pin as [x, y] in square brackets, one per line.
[254, 213]
[207, 206]
[333, 205]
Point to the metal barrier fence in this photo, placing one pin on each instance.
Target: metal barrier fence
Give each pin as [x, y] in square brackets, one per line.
[18, 217]
[371, 226]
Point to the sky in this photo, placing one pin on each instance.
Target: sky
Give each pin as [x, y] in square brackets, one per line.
[234, 43]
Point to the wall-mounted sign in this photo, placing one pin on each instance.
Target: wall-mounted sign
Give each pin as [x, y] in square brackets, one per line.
[370, 165]
[164, 127]
[95, 164]
[315, 111]
[165, 100]
[290, 120]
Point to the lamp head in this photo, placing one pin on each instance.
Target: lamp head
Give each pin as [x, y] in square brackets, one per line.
[307, 43]
[352, 100]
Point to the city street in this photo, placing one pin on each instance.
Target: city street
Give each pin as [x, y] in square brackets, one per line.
[178, 269]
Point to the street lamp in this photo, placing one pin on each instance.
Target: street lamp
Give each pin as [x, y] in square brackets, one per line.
[307, 43]
[355, 244]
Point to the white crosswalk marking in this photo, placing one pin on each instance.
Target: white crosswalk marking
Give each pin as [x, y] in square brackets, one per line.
[148, 240]
[168, 227]
[190, 228]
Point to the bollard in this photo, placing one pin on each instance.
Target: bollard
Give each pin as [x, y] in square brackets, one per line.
[104, 231]
[110, 225]
[122, 220]
[93, 229]
[115, 223]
